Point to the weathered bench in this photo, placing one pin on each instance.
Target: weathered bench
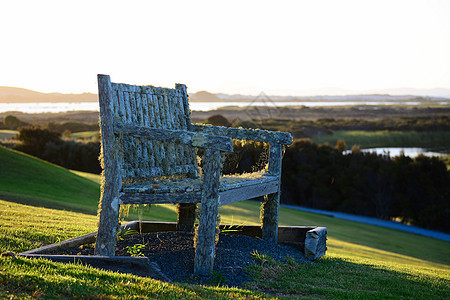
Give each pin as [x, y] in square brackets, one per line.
[148, 156]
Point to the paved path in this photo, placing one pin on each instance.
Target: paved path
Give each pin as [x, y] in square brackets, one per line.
[377, 222]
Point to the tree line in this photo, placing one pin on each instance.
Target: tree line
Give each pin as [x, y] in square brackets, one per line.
[415, 191]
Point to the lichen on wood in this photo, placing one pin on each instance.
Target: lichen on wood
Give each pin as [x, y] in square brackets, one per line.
[205, 249]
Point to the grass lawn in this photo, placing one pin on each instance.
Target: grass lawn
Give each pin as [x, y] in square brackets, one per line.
[26, 179]
[351, 269]
[85, 134]
[362, 261]
[385, 138]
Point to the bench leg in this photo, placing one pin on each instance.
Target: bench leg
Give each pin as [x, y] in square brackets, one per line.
[107, 227]
[186, 216]
[206, 235]
[109, 200]
[269, 217]
[271, 204]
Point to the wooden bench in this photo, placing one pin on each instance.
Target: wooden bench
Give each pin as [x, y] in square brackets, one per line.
[149, 156]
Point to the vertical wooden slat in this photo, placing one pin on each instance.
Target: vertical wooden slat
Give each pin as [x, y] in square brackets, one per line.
[126, 101]
[128, 142]
[142, 146]
[161, 154]
[109, 201]
[148, 112]
[179, 158]
[170, 125]
[164, 118]
[184, 156]
[134, 162]
[122, 118]
[191, 155]
[204, 254]
[115, 101]
[270, 207]
[187, 113]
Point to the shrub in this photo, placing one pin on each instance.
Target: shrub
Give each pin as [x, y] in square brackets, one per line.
[47, 145]
[34, 140]
[218, 120]
[11, 122]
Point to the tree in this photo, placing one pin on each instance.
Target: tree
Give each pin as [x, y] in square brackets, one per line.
[34, 140]
[11, 122]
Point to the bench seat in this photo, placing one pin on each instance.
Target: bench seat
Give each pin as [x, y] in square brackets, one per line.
[232, 188]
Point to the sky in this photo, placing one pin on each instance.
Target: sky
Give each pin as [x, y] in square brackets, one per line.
[246, 47]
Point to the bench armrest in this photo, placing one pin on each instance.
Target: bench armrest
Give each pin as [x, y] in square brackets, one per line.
[271, 137]
[190, 138]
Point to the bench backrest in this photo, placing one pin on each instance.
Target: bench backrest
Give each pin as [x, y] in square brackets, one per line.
[156, 107]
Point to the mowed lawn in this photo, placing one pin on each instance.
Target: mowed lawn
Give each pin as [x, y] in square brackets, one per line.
[362, 261]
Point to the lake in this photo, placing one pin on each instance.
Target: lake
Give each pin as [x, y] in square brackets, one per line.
[396, 151]
[44, 107]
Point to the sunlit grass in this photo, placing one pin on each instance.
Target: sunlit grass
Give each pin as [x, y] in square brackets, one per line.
[25, 227]
[85, 134]
[97, 178]
[385, 138]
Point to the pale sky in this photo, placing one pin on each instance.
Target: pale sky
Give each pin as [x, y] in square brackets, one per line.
[279, 47]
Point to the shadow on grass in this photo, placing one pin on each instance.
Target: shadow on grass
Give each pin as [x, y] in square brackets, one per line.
[339, 278]
[40, 278]
[153, 213]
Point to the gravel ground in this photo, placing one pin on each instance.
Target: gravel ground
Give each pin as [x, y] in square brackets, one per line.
[174, 253]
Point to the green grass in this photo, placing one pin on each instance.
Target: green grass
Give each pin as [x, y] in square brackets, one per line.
[26, 179]
[24, 227]
[362, 261]
[97, 178]
[85, 134]
[385, 138]
[29, 180]
[359, 268]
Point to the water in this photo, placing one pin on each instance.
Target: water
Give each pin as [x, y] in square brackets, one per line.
[47, 107]
[397, 151]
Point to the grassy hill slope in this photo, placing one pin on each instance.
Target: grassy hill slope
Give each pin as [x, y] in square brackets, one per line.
[29, 180]
[362, 260]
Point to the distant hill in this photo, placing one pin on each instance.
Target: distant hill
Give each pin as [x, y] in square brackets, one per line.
[436, 92]
[14, 94]
[204, 96]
